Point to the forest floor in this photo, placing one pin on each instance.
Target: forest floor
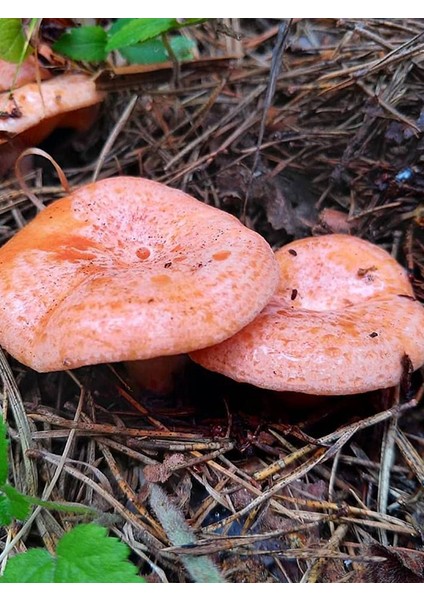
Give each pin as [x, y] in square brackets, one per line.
[298, 128]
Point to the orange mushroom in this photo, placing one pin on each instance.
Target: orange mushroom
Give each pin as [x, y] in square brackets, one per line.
[31, 112]
[341, 321]
[127, 269]
[13, 75]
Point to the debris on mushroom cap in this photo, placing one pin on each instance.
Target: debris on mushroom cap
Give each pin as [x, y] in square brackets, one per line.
[34, 102]
[341, 322]
[128, 269]
[15, 75]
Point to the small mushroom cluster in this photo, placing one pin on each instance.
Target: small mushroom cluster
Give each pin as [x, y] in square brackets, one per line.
[33, 103]
[127, 269]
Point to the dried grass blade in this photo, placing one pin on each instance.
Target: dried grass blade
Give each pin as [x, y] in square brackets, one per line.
[113, 135]
[13, 396]
[386, 463]
[147, 537]
[411, 456]
[320, 456]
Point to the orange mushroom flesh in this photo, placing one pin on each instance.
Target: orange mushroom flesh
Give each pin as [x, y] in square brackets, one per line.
[127, 269]
[341, 322]
[35, 109]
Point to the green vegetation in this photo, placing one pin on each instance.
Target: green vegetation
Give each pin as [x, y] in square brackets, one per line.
[83, 555]
[141, 41]
[138, 42]
[13, 44]
[83, 43]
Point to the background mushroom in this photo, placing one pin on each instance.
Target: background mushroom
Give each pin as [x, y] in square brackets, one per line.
[341, 322]
[127, 269]
[13, 75]
[31, 112]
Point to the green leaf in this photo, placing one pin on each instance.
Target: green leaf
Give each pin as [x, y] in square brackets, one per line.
[13, 505]
[34, 566]
[83, 43]
[4, 459]
[154, 51]
[140, 30]
[12, 40]
[84, 555]
[127, 32]
[118, 25]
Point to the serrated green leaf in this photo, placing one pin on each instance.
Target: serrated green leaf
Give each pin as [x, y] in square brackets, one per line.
[84, 555]
[13, 505]
[118, 25]
[34, 566]
[83, 43]
[4, 459]
[154, 51]
[140, 30]
[87, 554]
[12, 40]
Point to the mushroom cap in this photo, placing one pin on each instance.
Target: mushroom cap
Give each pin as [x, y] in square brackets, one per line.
[12, 74]
[127, 269]
[340, 322]
[46, 101]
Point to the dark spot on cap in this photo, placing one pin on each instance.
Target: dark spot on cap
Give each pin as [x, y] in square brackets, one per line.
[143, 253]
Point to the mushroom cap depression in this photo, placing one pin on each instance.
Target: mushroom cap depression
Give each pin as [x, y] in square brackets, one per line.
[128, 269]
[341, 322]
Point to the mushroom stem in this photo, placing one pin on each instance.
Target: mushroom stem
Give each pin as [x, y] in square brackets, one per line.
[156, 374]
